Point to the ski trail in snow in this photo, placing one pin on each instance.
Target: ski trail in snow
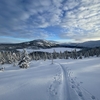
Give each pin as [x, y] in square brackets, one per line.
[66, 85]
[71, 88]
[66, 95]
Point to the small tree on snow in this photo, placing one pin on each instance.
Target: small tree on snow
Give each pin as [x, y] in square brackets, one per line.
[60, 55]
[45, 56]
[24, 63]
[25, 55]
[54, 54]
[52, 57]
[80, 56]
[14, 58]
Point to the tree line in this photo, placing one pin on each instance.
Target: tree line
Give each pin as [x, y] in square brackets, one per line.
[15, 57]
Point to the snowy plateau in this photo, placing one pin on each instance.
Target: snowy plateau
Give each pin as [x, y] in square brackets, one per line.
[71, 79]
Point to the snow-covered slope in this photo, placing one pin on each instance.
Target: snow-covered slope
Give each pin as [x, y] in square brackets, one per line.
[63, 80]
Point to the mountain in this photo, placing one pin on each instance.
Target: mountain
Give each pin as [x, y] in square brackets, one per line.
[35, 44]
[39, 43]
[88, 44]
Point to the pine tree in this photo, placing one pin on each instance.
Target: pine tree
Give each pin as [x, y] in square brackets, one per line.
[52, 57]
[24, 63]
[45, 56]
[66, 54]
[80, 56]
[54, 54]
[97, 52]
[14, 58]
[60, 55]
[75, 54]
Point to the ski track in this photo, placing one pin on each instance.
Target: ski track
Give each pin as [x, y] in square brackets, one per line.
[66, 84]
[70, 84]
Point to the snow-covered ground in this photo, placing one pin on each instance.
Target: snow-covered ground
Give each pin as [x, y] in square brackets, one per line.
[50, 50]
[63, 80]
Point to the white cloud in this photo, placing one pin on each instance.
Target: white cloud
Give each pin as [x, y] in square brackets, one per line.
[79, 18]
[79, 35]
[84, 16]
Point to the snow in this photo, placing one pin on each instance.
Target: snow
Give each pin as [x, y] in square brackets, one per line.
[85, 73]
[50, 50]
[63, 80]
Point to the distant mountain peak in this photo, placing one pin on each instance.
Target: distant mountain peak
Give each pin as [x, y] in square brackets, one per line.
[41, 43]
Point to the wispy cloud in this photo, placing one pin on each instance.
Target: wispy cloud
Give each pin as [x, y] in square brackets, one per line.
[85, 17]
[25, 18]
[79, 19]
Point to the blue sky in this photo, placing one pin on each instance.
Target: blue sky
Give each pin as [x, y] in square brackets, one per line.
[60, 20]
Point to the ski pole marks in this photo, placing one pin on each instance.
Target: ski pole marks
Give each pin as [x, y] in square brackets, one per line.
[81, 92]
[54, 87]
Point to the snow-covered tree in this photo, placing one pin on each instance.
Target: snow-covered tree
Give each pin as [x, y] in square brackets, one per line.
[24, 63]
[45, 56]
[60, 55]
[65, 55]
[25, 55]
[54, 54]
[14, 58]
[80, 56]
[75, 54]
[97, 51]
[52, 58]
[86, 54]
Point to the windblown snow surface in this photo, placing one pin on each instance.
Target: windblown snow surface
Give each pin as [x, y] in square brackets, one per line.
[63, 80]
